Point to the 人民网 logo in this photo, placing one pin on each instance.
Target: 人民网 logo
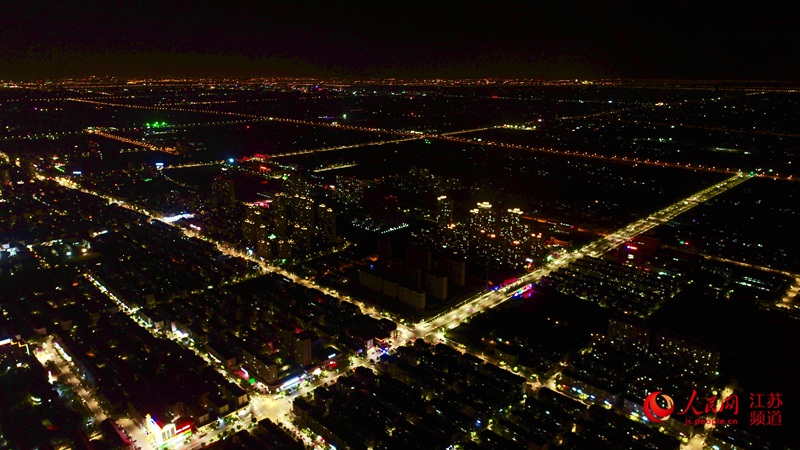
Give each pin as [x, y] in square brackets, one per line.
[654, 411]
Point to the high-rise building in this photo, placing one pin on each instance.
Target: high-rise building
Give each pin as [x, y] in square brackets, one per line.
[411, 297]
[628, 333]
[252, 223]
[481, 218]
[455, 268]
[418, 257]
[437, 286]
[686, 354]
[222, 192]
[349, 190]
[444, 211]
[296, 184]
[280, 205]
[302, 347]
[326, 223]
[512, 228]
[284, 248]
[301, 210]
[482, 236]
[301, 236]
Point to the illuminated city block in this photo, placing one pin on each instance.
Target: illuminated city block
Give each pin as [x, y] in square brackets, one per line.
[167, 434]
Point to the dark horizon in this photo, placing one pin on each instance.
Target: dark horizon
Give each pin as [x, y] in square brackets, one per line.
[590, 41]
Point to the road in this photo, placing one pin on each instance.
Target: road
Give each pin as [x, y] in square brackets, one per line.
[82, 390]
[251, 116]
[170, 150]
[590, 155]
[409, 135]
[490, 299]
[341, 147]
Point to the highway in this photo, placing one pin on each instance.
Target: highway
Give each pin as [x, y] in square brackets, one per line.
[452, 133]
[450, 136]
[251, 116]
[335, 167]
[614, 159]
[170, 150]
[341, 147]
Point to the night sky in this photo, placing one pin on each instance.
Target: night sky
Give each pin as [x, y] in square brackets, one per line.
[440, 39]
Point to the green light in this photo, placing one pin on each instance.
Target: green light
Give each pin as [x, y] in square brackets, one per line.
[148, 179]
[681, 242]
[59, 169]
[252, 381]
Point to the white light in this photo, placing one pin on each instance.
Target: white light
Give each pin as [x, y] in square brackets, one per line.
[172, 219]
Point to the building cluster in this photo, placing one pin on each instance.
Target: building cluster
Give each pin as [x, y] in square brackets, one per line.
[293, 225]
[266, 435]
[145, 263]
[612, 285]
[424, 397]
[153, 381]
[127, 362]
[123, 366]
[631, 361]
[499, 237]
[28, 397]
[549, 420]
[51, 224]
[145, 186]
[421, 181]
[271, 344]
[349, 191]
[414, 274]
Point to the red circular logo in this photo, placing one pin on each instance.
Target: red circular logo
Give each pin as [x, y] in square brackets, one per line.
[653, 411]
